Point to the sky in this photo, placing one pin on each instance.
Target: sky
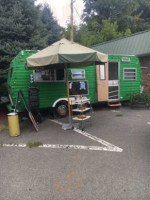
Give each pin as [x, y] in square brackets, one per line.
[61, 10]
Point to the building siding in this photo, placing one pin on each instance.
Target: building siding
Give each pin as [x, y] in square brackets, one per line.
[145, 66]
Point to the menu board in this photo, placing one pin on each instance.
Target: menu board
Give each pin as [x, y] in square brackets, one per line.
[34, 97]
[78, 88]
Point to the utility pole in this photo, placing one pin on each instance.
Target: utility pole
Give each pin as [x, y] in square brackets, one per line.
[71, 23]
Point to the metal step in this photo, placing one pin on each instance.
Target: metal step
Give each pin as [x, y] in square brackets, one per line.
[115, 104]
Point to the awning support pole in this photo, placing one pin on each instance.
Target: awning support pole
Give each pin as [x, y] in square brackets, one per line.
[68, 126]
[68, 95]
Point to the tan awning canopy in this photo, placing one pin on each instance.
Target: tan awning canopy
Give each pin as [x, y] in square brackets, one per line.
[65, 52]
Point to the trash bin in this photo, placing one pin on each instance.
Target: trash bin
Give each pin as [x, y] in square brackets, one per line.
[13, 124]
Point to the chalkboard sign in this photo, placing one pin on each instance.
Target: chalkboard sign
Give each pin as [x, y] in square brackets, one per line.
[34, 97]
[78, 88]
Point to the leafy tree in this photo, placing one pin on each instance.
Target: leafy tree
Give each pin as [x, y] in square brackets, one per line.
[131, 15]
[51, 29]
[17, 25]
[94, 33]
[67, 31]
[24, 26]
[142, 16]
[110, 30]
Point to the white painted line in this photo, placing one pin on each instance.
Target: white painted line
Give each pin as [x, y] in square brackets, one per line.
[92, 137]
[116, 111]
[148, 123]
[57, 122]
[59, 146]
[107, 146]
[14, 145]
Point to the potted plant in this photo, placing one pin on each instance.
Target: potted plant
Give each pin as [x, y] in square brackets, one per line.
[141, 100]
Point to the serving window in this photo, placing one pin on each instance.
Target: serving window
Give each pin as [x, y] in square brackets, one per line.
[53, 75]
[130, 74]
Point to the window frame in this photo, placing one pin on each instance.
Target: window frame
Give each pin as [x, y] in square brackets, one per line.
[104, 72]
[77, 78]
[131, 73]
[50, 81]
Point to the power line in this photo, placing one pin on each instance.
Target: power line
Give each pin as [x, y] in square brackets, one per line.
[77, 13]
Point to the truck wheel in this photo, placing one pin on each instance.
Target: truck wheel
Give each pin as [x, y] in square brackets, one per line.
[62, 109]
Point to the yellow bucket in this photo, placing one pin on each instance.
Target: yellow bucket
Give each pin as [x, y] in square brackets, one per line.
[13, 124]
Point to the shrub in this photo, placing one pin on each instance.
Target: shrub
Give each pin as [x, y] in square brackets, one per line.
[136, 97]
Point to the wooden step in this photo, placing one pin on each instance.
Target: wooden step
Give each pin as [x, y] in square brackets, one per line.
[81, 119]
[116, 104]
[81, 111]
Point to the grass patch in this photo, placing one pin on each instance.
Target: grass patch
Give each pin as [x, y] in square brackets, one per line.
[34, 144]
[1, 144]
[119, 115]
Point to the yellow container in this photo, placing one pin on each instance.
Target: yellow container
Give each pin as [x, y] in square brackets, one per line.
[13, 124]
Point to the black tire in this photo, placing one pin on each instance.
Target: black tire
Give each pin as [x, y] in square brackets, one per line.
[38, 117]
[61, 109]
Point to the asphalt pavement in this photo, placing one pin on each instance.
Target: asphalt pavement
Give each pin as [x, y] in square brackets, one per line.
[74, 174]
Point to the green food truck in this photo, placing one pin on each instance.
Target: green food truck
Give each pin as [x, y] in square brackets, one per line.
[110, 82]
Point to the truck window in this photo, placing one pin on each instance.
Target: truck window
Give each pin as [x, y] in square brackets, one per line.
[48, 75]
[102, 72]
[130, 74]
[60, 74]
[78, 74]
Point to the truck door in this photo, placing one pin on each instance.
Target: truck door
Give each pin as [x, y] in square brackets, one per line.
[102, 82]
[113, 81]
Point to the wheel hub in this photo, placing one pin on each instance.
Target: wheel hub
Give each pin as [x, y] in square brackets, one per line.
[62, 110]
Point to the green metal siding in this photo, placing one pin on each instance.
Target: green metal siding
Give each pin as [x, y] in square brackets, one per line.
[52, 91]
[90, 76]
[48, 92]
[20, 78]
[128, 86]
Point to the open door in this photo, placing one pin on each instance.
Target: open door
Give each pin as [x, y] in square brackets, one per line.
[113, 82]
[102, 82]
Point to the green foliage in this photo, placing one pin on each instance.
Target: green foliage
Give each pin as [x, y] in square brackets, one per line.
[110, 19]
[87, 37]
[110, 30]
[24, 26]
[119, 115]
[95, 33]
[143, 97]
[66, 32]
[51, 29]
[34, 144]
[3, 89]
[127, 13]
